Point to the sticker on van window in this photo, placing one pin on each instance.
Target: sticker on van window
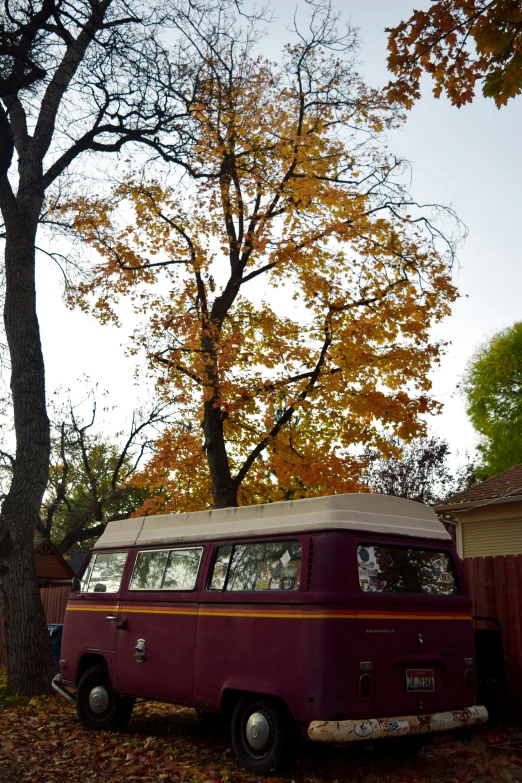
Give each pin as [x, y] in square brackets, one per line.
[265, 565]
[364, 555]
[396, 569]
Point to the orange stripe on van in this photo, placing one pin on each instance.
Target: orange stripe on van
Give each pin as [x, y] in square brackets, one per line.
[158, 610]
[104, 608]
[284, 614]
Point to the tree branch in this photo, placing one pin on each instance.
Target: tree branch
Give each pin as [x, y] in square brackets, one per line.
[77, 536]
[288, 413]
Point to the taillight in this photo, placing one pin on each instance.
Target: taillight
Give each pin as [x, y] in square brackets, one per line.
[365, 686]
[469, 679]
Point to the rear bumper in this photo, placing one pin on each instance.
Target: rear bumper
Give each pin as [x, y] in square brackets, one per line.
[403, 726]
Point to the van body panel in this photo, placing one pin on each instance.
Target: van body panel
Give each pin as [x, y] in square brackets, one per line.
[87, 624]
[331, 688]
[255, 648]
[248, 641]
[71, 677]
[169, 630]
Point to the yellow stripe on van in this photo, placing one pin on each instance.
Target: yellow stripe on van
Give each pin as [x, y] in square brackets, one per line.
[407, 616]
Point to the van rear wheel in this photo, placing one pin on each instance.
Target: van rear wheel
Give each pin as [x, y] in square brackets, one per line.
[97, 705]
[263, 734]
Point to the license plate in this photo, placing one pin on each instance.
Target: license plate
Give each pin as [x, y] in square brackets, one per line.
[420, 680]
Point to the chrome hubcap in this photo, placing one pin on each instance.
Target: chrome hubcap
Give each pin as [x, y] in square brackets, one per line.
[99, 700]
[257, 731]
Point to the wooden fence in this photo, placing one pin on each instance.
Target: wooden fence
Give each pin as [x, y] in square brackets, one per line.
[54, 598]
[496, 589]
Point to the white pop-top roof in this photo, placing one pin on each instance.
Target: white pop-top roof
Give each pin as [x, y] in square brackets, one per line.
[365, 512]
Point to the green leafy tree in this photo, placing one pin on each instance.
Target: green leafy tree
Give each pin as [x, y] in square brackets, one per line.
[493, 390]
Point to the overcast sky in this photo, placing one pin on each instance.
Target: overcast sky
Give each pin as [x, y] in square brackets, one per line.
[468, 158]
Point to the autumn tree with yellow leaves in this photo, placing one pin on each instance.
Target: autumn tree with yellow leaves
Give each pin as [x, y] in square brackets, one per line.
[285, 282]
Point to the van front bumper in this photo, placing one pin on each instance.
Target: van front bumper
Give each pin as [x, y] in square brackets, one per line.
[403, 726]
[60, 688]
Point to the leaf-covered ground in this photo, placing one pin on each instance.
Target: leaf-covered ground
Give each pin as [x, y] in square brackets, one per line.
[41, 741]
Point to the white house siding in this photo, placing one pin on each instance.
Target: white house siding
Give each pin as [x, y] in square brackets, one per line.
[498, 532]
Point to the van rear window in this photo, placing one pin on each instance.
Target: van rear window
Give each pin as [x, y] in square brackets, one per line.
[394, 569]
[265, 565]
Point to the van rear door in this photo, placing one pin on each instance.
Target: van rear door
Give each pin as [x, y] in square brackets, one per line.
[415, 625]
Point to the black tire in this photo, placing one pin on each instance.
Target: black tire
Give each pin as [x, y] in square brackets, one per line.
[275, 745]
[114, 710]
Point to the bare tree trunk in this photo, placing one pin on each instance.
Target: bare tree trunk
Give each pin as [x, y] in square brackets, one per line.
[224, 488]
[30, 662]
[29, 658]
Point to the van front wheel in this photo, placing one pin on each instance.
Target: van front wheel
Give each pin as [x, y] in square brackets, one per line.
[263, 734]
[97, 705]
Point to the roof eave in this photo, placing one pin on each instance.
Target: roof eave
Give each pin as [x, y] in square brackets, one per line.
[456, 507]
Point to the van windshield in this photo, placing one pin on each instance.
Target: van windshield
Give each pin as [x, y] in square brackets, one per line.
[394, 569]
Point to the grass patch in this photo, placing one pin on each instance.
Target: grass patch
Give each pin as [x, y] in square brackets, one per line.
[8, 700]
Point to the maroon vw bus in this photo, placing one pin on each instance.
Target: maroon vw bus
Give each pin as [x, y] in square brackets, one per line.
[348, 613]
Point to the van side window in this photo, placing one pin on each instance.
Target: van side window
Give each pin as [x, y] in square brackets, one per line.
[182, 569]
[166, 569]
[103, 573]
[395, 569]
[148, 570]
[266, 565]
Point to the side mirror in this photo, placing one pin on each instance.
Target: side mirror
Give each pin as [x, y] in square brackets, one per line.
[76, 584]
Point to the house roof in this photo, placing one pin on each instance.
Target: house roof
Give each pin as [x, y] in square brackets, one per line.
[505, 487]
[375, 513]
[49, 562]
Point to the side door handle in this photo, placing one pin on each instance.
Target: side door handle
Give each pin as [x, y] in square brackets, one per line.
[112, 618]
